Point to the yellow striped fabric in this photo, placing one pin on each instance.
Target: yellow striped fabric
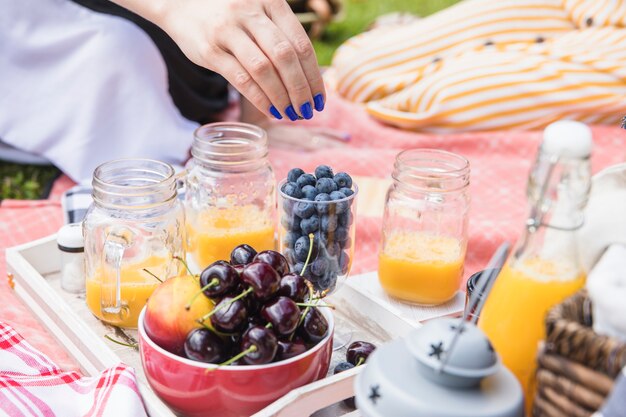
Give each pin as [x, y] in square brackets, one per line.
[487, 65]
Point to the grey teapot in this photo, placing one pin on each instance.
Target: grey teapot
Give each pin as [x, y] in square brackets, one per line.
[442, 369]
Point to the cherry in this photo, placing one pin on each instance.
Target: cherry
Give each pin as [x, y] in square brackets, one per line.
[261, 345]
[284, 315]
[314, 326]
[294, 286]
[242, 255]
[205, 346]
[275, 259]
[229, 315]
[222, 276]
[358, 352]
[289, 348]
[262, 278]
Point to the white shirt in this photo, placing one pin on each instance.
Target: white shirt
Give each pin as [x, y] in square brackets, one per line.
[81, 88]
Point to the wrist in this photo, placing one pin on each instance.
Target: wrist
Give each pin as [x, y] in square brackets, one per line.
[153, 10]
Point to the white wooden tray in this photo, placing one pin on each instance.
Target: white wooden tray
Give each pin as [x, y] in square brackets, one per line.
[362, 308]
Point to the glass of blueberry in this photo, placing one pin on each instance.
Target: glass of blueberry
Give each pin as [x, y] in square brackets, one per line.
[317, 213]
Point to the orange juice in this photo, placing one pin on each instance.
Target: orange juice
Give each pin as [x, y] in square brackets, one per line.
[421, 267]
[513, 316]
[215, 232]
[135, 289]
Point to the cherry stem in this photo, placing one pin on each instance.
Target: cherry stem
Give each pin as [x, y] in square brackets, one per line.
[235, 358]
[134, 345]
[221, 306]
[308, 256]
[157, 278]
[213, 283]
[360, 361]
[181, 260]
[315, 305]
[268, 326]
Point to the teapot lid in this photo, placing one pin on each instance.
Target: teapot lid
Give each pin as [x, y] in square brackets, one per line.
[460, 362]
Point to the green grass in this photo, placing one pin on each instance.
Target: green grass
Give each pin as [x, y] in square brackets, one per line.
[360, 13]
[29, 182]
[25, 182]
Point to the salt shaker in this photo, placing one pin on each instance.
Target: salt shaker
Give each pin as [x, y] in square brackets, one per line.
[71, 244]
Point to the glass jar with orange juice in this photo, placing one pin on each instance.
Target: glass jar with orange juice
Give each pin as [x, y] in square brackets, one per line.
[544, 269]
[425, 227]
[230, 192]
[133, 230]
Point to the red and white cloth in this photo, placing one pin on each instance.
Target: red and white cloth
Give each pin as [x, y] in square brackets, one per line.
[32, 385]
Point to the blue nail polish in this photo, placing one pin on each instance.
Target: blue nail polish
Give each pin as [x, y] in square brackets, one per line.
[319, 102]
[291, 113]
[275, 112]
[306, 110]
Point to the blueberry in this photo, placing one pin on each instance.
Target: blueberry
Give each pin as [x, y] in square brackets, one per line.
[294, 174]
[327, 282]
[341, 234]
[326, 185]
[304, 209]
[322, 198]
[343, 180]
[306, 179]
[324, 171]
[344, 263]
[321, 238]
[345, 219]
[342, 366]
[292, 190]
[290, 238]
[297, 268]
[342, 206]
[291, 223]
[333, 249]
[345, 191]
[309, 192]
[346, 244]
[328, 223]
[301, 248]
[288, 206]
[310, 225]
[319, 266]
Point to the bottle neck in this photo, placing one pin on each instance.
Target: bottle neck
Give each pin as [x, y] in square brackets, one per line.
[134, 184]
[230, 147]
[430, 171]
[558, 190]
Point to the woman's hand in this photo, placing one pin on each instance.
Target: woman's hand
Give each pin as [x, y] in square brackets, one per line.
[259, 46]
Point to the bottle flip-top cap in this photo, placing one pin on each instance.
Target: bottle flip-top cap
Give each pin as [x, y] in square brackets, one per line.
[567, 138]
[70, 238]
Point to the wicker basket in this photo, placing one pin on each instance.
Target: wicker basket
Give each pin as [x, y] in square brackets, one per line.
[576, 366]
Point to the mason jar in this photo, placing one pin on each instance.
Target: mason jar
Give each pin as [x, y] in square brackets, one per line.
[230, 192]
[424, 237]
[133, 230]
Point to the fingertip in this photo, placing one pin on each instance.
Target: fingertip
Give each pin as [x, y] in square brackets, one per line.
[319, 102]
[274, 112]
[306, 110]
[291, 113]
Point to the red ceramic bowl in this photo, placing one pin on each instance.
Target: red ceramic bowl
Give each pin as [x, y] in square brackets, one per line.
[189, 389]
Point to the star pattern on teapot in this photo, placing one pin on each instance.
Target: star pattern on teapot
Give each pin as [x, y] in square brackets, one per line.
[455, 328]
[374, 394]
[436, 350]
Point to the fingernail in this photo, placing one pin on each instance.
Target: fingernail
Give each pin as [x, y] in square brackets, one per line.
[291, 113]
[306, 110]
[319, 102]
[275, 112]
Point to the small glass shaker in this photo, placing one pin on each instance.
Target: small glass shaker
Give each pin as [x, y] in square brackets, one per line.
[72, 246]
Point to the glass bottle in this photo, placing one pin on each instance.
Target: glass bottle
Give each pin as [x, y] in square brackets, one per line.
[132, 232]
[230, 192]
[425, 226]
[544, 268]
